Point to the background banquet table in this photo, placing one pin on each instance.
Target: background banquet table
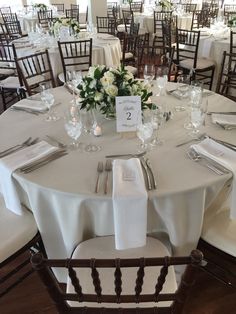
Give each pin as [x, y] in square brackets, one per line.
[61, 194]
[106, 50]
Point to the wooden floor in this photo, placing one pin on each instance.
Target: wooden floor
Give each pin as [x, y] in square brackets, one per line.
[207, 297]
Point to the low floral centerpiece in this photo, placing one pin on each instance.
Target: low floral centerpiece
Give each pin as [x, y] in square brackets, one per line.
[67, 22]
[100, 87]
[165, 4]
[232, 22]
[40, 6]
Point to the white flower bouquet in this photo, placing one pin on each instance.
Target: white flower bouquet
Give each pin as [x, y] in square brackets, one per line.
[100, 87]
[40, 6]
[67, 22]
[165, 4]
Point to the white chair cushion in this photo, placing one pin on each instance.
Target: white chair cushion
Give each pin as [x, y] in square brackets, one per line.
[202, 63]
[131, 69]
[128, 55]
[121, 28]
[15, 230]
[61, 77]
[104, 247]
[10, 82]
[220, 231]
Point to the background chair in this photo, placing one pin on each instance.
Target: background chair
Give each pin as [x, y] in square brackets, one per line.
[10, 88]
[5, 10]
[44, 18]
[33, 70]
[109, 279]
[18, 235]
[232, 48]
[158, 39]
[72, 14]
[226, 84]
[187, 57]
[136, 6]
[75, 55]
[106, 25]
[60, 7]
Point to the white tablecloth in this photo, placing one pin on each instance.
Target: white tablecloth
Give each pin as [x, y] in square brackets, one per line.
[61, 194]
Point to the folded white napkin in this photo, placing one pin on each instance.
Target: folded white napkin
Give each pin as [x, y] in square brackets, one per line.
[30, 104]
[13, 161]
[129, 204]
[224, 119]
[225, 157]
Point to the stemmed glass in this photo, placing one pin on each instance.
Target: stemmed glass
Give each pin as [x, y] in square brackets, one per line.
[89, 125]
[197, 119]
[161, 80]
[149, 73]
[73, 127]
[74, 78]
[144, 133]
[157, 121]
[183, 81]
[48, 100]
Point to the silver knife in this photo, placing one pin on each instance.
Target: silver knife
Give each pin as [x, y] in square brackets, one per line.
[143, 163]
[152, 174]
[127, 155]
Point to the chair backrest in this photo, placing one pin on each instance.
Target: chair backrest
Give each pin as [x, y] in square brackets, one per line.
[201, 18]
[75, 55]
[33, 70]
[106, 25]
[74, 6]
[189, 7]
[158, 18]
[73, 14]
[187, 45]
[116, 298]
[9, 17]
[13, 29]
[136, 6]
[44, 17]
[112, 9]
[229, 8]
[60, 7]
[5, 10]
[232, 48]
[128, 18]
[226, 84]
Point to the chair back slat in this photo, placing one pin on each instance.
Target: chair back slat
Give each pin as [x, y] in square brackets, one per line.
[43, 266]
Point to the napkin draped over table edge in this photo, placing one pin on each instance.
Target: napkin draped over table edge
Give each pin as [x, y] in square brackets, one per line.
[224, 156]
[14, 161]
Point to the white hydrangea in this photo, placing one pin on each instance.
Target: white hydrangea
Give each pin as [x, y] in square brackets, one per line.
[112, 90]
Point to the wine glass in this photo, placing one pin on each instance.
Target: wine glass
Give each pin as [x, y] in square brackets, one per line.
[161, 80]
[197, 119]
[73, 127]
[144, 133]
[89, 125]
[183, 81]
[48, 100]
[149, 73]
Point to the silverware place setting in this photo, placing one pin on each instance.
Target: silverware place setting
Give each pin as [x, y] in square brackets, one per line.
[148, 173]
[43, 161]
[99, 172]
[17, 147]
[128, 155]
[207, 162]
[106, 170]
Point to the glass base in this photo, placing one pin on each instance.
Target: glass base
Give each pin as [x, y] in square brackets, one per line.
[91, 148]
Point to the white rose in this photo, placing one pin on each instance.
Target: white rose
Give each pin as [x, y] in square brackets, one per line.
[109, 77]
[64, 22]
[128, 76]
[111, 90]
[98, 96]
[92, 84]
[105, 82]
[91, 71]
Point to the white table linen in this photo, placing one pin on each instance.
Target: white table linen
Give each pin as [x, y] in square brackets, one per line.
[61, 194]
[14, 161]
[129, 204]
[35, 105]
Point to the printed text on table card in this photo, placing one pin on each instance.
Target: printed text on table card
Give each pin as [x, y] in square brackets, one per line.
[128, 113]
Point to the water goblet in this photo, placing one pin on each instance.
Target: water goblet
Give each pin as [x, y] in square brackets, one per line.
[48, 99]
[73, 127]
[183, 81]
[161, 80]
[144, 133]
[89, 125]
[197, 119]
[149, 73]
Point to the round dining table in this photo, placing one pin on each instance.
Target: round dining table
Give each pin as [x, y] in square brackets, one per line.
[61, 194]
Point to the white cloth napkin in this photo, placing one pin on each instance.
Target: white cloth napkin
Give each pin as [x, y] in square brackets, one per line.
[224, 119]
[30, 104]
[13, 161]
[225, 157]
[129, 204]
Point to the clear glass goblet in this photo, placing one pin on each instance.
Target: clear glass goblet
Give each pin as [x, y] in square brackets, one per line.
[197, 119]
[89, 125]
[149, 73]
[161, 80]
[183, 81]
[48, 99]
[144, 133]
[73, 127]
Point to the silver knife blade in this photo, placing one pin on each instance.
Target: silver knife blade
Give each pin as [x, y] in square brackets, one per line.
[145, 168]
[152, 174]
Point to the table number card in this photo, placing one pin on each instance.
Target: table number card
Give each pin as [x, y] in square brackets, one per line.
[128, 113]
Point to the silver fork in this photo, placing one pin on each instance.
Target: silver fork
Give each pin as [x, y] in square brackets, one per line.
[108, 168]
[195, 156]
[99, 171]
[15, 148]
[145, 168]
